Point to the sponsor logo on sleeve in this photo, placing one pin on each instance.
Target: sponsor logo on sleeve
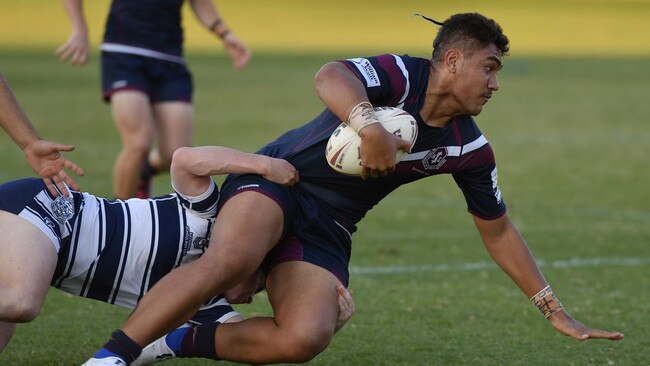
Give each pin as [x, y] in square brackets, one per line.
[367, 70]
[495, 187]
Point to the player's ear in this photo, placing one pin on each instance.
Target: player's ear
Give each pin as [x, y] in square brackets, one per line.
[452, 58]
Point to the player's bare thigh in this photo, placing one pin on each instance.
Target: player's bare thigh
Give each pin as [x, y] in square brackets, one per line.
[27, 262]
[134, 118]
[303, 297]
[246, 228]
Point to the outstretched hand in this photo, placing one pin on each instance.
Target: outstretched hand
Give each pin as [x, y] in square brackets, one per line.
[45, 159]
[565, 324]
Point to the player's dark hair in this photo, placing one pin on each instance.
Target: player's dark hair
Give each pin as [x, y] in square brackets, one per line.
[467, 32]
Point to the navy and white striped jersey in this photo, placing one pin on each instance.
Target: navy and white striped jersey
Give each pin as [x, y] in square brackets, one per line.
[149, 28]
[459, 149]
[113, 250]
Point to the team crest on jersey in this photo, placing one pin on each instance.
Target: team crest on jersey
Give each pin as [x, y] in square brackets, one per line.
[200, 243]
[62, 209]
[435, 158]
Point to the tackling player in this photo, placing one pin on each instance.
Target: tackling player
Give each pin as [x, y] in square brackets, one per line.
[112, 250]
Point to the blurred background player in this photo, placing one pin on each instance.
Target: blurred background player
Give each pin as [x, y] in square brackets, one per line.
[146, 80]
[315, 218]
[43, 156]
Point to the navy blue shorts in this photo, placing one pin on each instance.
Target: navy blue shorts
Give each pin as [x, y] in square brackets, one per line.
[162, 81]
[310, 234]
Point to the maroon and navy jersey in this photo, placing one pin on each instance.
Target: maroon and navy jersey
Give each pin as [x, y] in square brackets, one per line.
[153, 25]
[459, 148]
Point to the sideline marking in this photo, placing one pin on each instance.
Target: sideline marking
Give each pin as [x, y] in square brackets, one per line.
[477, 266]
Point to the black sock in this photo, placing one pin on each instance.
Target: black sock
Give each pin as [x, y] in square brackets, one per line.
[147, 171]
[200, 342]
[123, 346]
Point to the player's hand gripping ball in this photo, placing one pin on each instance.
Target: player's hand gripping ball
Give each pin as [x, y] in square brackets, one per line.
[342, 151]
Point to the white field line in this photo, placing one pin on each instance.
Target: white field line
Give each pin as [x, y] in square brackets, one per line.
[477, 266]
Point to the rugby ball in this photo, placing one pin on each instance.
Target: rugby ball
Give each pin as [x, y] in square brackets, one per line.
[342, 151]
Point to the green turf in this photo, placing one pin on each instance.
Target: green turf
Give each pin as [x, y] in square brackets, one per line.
[571, 140]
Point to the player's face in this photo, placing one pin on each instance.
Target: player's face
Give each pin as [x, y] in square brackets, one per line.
[477, 79]
[243, 293]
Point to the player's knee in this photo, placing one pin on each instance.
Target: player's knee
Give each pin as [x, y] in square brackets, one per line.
[138, 147]
[302, 346]
[20, 308]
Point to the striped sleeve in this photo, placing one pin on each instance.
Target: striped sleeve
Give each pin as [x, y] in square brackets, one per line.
[203, 205]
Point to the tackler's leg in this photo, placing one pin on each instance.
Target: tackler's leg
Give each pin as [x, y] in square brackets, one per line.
[27, 262]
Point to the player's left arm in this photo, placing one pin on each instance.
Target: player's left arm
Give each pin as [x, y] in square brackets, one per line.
[510, 251]
[43, 156]
[192, 167]
[209, 16]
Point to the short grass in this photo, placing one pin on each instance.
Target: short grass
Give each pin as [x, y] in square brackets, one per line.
[571, 139]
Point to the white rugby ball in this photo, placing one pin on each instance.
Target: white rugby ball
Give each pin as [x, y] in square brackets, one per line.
[342, 151]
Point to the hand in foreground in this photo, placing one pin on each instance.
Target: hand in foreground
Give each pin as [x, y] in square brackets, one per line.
[237, 51]
[45, 159]
[282, 172]
[378, 151]
[565, 324]
[346, 306]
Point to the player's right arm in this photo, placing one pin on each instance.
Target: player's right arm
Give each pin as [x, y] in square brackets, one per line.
[75, 50]
[345, 95]
[192, 167]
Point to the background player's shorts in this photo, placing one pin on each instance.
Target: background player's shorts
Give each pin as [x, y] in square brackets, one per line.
[310, 233]
[162, 81]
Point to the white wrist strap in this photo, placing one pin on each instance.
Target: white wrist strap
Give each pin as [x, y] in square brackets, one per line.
[546, 302]
[362, 115]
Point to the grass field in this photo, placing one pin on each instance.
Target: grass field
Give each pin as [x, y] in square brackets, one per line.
[571, 139]
[569, 127]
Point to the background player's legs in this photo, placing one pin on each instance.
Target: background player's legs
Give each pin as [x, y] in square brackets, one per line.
[27, 262]
[305, 308]
[132, 114]
[173, 130]
[246, 228]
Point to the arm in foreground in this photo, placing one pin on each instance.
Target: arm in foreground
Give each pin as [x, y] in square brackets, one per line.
[192, 167]
[509, 250]
[43, 156]
[346, 97]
